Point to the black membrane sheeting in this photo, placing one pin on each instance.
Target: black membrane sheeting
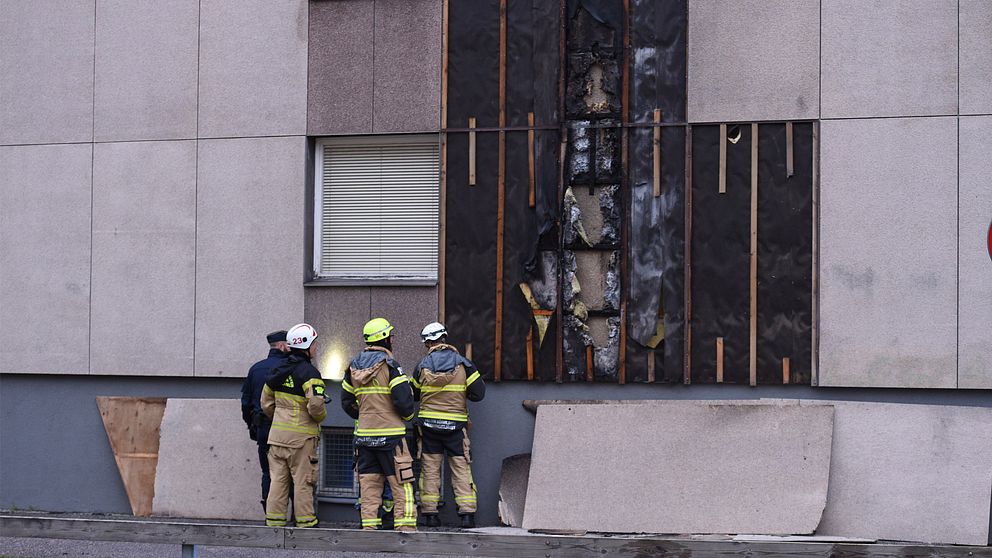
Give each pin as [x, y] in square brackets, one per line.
[721, 261]
[785, 251]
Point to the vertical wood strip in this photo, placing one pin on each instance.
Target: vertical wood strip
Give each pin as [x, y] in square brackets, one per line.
[531, 198]
[719, 360]
[624, 155]
[471, 151]
[500, 195]
[687, 271]
[651, 354]
[753, 368]
[443, 211]
[563, 139]
[589, 363]
[723, 159]
[785, 370]
[530, 352]
[815, 299]
[468, 351]
[657, 153]
[790, 167]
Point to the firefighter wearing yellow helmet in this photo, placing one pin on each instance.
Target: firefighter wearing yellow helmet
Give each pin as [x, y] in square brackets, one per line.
[377, 393]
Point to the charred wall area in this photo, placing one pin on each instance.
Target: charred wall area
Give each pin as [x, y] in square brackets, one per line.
[571, 228]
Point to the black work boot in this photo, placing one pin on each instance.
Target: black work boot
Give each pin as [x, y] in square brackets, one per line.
[468, 520]
[432, 520]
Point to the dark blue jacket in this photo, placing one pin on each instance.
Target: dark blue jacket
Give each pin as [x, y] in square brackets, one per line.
[251, 395]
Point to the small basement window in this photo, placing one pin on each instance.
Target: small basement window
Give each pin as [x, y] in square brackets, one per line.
[376, 210]
[337, 476]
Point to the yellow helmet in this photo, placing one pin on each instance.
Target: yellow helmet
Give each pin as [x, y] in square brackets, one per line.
[376, 329]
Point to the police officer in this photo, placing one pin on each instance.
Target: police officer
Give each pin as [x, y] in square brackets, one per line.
[443, 381]
[251, 402]
[377, 393]
[294, 398]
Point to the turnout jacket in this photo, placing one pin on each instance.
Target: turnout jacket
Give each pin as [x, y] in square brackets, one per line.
[443, 381]
[377, 393]
[251, 395]
[294, 398]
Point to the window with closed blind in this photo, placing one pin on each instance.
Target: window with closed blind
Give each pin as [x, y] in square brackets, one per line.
[376, 208]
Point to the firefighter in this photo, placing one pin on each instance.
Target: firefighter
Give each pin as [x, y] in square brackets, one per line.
[251, 402]
[377, 393]
[442, 382]
[294, 398]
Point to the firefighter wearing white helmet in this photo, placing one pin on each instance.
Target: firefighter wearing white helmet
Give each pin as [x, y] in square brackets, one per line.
[443, 382]
[294, 398]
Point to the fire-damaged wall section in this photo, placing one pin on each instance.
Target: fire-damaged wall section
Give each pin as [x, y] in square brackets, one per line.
[721, 261]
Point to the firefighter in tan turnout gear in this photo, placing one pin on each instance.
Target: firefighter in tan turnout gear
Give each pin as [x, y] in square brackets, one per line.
[377, 393]
[294, 398]
[443, 381]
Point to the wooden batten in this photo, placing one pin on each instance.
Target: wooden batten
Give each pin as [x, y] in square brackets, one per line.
[656, 143]
[753, 347]
[133, 425]
[719, 360]
[790, 161]
[722, 183]
[471, 151]
[531, 180]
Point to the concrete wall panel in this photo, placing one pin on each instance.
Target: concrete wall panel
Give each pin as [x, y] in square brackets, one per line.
[753, 60]
[338, 314]
[975, 19]
[207, 465]
[144, 226]
[45, 254]
[146, 69]
[339, 97]
[407, 89]
[253, 68]
[409, 309]
[249, 273]
[975, 272]
[889, 58]
[46, 71]
[888, 215]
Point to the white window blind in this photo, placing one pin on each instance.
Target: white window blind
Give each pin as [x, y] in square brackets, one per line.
[377, 208]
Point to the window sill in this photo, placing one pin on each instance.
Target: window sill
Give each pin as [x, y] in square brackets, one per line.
[371, 283]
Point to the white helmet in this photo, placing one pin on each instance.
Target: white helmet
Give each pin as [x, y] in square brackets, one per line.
[301, 336]
[433, 331]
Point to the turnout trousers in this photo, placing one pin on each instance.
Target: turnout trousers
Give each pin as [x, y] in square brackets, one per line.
[433, 446]
[296, 467]
[376, 467]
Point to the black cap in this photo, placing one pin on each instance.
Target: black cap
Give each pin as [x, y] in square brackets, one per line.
[276, 336]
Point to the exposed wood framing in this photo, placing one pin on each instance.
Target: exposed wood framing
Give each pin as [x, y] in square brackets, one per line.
[625, 156]
[753, 314]
[651, 354]
[687, 290]
[785, 370]
[468, 351]
[590, 364]
[443, 210]
[562, 151]
[471, 151]
[656, 143]
[530, 353]
[723, 159]
[815, 298]
[531, 197]
[133, 425]
[719, 360]
[790, 167]
[500, 195]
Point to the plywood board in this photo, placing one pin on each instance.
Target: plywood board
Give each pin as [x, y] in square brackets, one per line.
[208, 467]
[679, 468]
[132, 425]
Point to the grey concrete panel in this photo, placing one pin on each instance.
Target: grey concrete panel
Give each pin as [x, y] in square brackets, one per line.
[144, 227]
[975, 264]
[740, 470]
[45, 255]
[753, 60]
[207, 466]
[910, 473]
[888, 244]
[253, 68]
[46, 71]
[249, 272]
[407, 75]
[975, 19]
[513, 489]
[339, 96]
[338, 314]
[146, 68]
[889, 58]
[409, 309]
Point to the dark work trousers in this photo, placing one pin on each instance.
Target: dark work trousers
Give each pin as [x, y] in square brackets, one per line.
[263, 460]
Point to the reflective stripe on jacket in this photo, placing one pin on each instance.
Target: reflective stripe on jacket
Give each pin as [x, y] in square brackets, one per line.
[296, 404]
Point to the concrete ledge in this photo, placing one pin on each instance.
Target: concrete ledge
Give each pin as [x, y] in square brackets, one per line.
[449, 543]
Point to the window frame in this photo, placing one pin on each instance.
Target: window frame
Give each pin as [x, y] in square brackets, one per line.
[315, 278]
